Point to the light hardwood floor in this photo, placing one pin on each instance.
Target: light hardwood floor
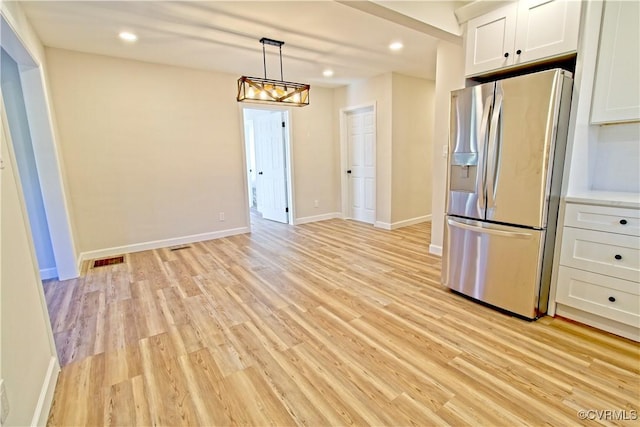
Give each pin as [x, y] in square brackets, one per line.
[330, 323]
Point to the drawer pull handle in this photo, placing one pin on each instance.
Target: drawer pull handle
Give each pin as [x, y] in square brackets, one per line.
[618, 257]
[623, 221]
[612, 299]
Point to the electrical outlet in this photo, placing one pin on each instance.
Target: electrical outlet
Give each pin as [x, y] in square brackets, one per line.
[4, 403]
[221, 216]
[316, 204]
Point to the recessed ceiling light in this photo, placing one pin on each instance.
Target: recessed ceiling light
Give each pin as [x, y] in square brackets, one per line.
[127, 36]
[327, 73]
[396, 46]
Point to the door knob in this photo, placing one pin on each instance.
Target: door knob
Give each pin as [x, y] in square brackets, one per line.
[623, 222]
[506, 54]
[259, 173]
[612, 299]
[518, 52]
[618, 257]
[348, 170]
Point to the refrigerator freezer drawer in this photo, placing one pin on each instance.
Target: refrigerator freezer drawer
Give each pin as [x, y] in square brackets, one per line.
[497, 264]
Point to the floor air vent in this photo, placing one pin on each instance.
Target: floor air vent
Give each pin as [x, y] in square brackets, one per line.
[179, 248]
[108, 261]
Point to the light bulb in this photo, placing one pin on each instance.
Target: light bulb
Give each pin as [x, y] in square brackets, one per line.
[127, 36]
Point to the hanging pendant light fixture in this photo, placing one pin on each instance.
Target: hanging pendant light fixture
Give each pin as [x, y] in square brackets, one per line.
[263, 90]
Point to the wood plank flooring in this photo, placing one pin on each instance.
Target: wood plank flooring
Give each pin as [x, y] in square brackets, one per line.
[326, 324]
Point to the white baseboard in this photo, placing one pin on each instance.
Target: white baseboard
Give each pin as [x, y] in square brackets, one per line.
[48, 273]
[41, 412]
[411, 221]
[156, 244]
[403, 223]
[314, 218]
[435, 250]
[383, 225]
[622, 329]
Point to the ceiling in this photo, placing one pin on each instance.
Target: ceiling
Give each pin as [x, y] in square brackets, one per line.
[352, 39]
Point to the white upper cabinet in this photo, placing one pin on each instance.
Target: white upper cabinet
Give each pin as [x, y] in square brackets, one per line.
[546, 28]
[521, 32]
[616, 92]
[490, 39]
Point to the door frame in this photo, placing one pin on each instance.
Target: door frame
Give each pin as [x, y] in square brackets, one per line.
[45, 149]
[344, 156]
[288, 157]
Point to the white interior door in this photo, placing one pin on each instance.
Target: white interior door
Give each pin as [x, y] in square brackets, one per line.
[271, 185]
[361, 140]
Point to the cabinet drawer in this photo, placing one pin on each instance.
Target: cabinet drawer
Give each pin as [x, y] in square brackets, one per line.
[615, 255]
[603, 218]
[605, 296]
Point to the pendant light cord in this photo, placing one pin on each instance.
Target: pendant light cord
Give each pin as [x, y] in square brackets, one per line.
[264, 60]
[281, 76]
[264, 55]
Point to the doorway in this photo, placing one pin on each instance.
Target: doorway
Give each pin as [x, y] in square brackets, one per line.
[358, 132]
[267, 151]
[36, 155]
[13, 100]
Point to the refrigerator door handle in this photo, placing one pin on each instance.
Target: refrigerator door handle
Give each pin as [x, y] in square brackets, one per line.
[493, 153]
[488, 230]
[482, 137]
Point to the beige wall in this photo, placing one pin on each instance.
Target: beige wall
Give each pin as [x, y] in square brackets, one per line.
[413, 101]
[374, 90]
[26, 347]
[316, 156]
[28, 361]
[449, 76]
[152, 152]
[155, 152]
[404, 122]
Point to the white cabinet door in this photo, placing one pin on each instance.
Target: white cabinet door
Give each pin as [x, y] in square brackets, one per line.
[546, 28]
[616, 93]
[490, 40]
[521, 32]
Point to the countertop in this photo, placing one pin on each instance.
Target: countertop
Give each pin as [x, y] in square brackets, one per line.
[605, 198]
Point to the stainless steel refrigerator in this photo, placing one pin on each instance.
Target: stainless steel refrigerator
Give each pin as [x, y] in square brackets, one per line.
[506, 155]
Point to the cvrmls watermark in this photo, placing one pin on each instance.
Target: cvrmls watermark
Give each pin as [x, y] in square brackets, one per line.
[608, 415]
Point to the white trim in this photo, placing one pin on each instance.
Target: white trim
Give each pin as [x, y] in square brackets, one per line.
[383, 225]
[245, 177]
[435, 250]
[45, 400]
[157, 244]
[79, 262]
[476, 8]
[288, 150]
[288, 147]
[599, 322]
[38, 108]
[48, 273]
[344, 155]
[411, 221]
[403, 223]
[315, 218]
